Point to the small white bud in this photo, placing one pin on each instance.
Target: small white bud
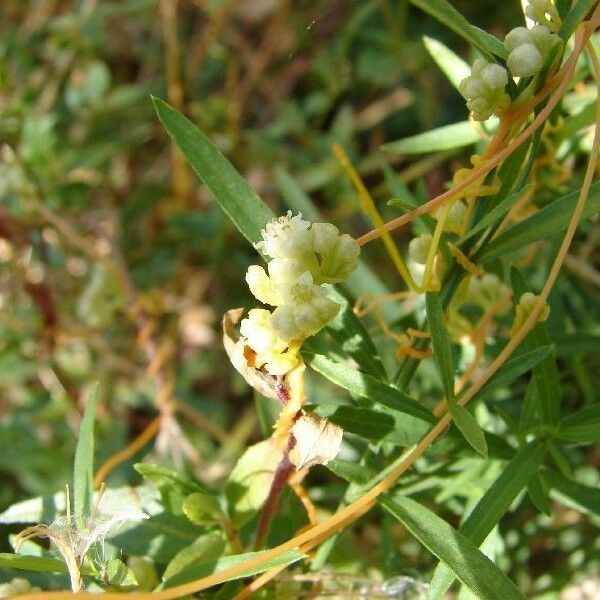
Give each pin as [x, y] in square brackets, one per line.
[524, 309]
[418, 248]
[525, 61]
[484, 89]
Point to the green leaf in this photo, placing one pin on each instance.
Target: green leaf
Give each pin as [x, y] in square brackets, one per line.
[209, 546]
[447, 137]
[548, 221]
[391, 427]
[454, 67]
[440, 340]
[545, 373]
[469, 427]
[571, 493]
[249, 483]
[537, 495]
[163, 476]
[119, 574]
[200, 507]
[577, 13]
[493, 505]
[495, 214]
[83, 469]
[446, 14]
[365, 386]
[582, 427]
[31, 563]
[350, 471]
[363, 422]
[568, 344]
[215, 565]
[469, 564]
[237, 199]
[517, 366]
[353, 338]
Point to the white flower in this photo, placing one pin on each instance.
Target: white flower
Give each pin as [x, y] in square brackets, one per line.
[305, 309]
[338, 253]
[272, 352]
[286, 237]
[485, 291]
[262, 287]
[484, 89]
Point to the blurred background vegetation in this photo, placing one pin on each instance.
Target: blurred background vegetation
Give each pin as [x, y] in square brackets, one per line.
[117, 265]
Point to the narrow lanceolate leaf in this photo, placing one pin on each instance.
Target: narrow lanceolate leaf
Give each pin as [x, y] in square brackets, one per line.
[582, 427]
[365, 386]
[31, 563]
[452, 65]
[495, 214]
[237, 199]
[492, 506]
[440, 340]
[573, 494]
[574, 17]
[354, 339]
[83, 470]
[548, 221]
[444, 12]
[249, 213]
[469, 427]
[517, 366]
[447, 137]
[210, 565]
[470, 565]
[545, 373]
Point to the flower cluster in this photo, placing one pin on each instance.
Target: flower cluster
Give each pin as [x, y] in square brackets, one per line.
[485, 88]
[304, 258]
[528, 49]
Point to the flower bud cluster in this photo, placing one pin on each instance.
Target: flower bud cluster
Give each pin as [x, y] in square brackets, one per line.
[528, 49]
[304, 258]
[484, 89]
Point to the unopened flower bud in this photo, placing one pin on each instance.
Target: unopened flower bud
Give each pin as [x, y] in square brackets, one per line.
[528, 48]
[418, 248]
[525, 307]
[484, 89]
